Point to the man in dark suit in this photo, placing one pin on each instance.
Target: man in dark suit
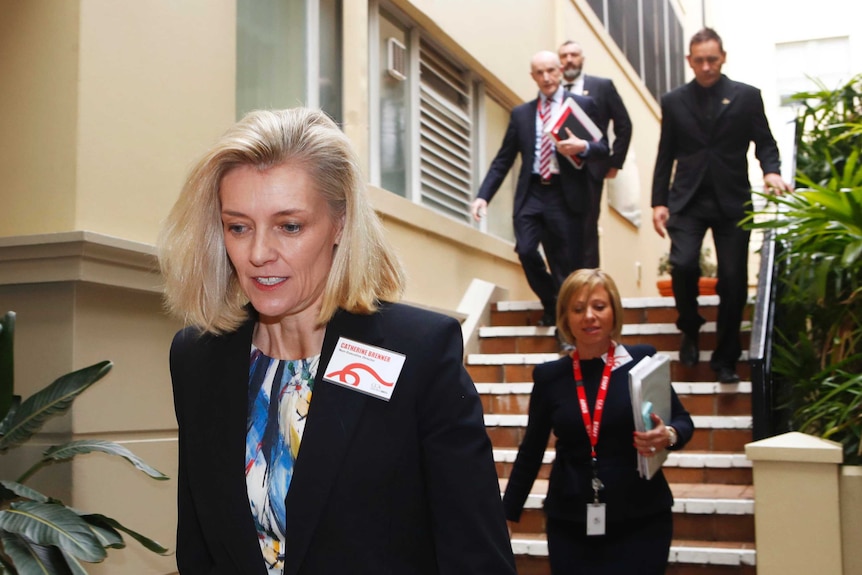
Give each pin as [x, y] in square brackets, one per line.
[551, 197]
[610, 109]
[706, 129]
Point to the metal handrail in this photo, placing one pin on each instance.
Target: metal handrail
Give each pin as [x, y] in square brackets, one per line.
[760, 348]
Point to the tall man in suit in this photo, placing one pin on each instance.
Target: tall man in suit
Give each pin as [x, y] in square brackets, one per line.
[551, 197]
[610, 109]
[706, 129]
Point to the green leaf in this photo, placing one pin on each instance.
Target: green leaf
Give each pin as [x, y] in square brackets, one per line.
[52, 524]
[75, 567]
[109, 536]
[10, 415]
[7, 360]
[105, 521]
[851, 253]
[73, 448]
[53, 400]
[32, 559]
[24, 491]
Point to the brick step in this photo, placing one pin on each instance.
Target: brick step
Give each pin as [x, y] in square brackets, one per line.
[686, 466]
[516, 367]
[699, 398]
[686, 557]
[533, 339]
[715, 432]
[702, 512]
[635, 310]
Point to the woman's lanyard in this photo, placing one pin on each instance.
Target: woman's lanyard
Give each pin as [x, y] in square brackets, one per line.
[593, 424]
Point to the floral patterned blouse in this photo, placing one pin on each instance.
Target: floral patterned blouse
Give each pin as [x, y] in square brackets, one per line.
[279, 394]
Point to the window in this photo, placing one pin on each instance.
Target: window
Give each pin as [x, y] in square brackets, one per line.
[649, 33]
[427, 120]
[445, 132]
[288, 54]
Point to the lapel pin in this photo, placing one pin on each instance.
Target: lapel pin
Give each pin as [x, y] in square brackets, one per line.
[725, 101]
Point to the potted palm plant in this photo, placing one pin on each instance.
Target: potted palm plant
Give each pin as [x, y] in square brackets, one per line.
[708, 271]
[40, 534]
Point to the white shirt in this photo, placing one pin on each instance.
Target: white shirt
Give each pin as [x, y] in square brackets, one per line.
[556, 100]
[577, 85]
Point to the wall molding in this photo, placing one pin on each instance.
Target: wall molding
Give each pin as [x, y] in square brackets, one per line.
[79, 256]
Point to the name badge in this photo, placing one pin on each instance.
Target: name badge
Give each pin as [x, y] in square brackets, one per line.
[365, 368]
[595, 519]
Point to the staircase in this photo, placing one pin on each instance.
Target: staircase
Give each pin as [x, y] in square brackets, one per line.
[711, 478]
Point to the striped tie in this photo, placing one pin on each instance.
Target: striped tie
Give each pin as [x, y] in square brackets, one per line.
[547, 147]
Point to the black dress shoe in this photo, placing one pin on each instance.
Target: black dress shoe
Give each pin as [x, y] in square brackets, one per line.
[689, 354]
[547, 320]
[727, 375]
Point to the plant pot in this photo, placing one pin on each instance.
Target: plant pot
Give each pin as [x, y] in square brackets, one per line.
[705, 286]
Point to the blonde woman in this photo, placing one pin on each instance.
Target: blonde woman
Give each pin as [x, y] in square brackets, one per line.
[322, 428]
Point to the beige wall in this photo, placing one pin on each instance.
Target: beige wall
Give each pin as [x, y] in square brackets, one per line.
[38, 115]
[109, 103]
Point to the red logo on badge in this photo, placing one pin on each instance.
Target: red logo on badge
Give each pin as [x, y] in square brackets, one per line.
[349, 372]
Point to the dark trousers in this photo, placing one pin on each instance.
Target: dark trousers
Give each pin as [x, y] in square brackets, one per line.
[546, 220]
[639, 546]
[686, 230]
[591, 222]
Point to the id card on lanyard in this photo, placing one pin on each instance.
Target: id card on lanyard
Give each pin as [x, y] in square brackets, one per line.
[595, 510]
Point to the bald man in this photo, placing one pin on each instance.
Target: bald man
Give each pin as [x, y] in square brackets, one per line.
[551, 199]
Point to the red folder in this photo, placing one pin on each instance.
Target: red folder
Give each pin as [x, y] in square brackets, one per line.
[573, 117]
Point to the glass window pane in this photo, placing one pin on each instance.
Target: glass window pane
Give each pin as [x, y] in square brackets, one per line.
[500, 210]
[655, 72]
[394, 121]
[330, 39]
[624, 29]
[271, 54]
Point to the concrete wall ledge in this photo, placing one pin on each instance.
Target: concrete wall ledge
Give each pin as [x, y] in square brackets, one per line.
[796, 447]
[79, 256]
[797, 521]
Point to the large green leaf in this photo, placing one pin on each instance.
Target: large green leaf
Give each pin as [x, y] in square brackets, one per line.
[24, 491]
[52, 524]
[73, 448]
[108, 536]
[54, 400]
[32, 559]
[7, 356]
[108, 522]
[75, 567]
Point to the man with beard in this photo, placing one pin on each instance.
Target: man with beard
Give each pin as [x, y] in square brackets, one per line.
[610, 108]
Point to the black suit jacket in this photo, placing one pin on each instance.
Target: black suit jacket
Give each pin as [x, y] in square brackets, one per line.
[719, 150]
[609, 106]
[554, 407]
[520, 138]
[400, 487]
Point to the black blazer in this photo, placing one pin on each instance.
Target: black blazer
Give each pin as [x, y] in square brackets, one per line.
[609, 107]
[520, 138]
[400, 487]
[721, 151]
[554, 407]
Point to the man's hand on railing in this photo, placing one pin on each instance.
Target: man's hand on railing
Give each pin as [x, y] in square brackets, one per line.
[775, 185]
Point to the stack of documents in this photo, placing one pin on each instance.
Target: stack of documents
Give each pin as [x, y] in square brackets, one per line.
[573, 117]
[649, 386]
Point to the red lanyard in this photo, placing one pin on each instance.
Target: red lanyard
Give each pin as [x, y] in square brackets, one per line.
[593, 424]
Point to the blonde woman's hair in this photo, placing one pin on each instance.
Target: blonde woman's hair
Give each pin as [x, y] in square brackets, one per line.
[201, 285]
[587, 279]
